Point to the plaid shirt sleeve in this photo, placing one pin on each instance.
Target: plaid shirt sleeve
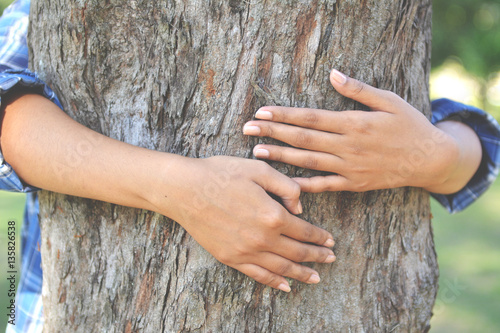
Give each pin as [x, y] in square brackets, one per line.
[13, 31]
[10, 79]
[488, 131]
[13, 74]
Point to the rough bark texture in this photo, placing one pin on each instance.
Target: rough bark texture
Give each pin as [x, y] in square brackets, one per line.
[183, 76]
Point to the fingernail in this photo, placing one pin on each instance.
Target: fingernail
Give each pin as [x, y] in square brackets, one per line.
[284, 287]
[265, 115]
[314, 279]
[251, 130]
[261, 153]
[338, 77]
[329, 243]
[331, 258]
[299, 208]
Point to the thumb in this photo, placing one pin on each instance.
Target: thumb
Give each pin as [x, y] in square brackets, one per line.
[282, 186]
[375, 99]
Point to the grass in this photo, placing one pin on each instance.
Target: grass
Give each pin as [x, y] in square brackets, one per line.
[4, 4]
[468, 250]
[11, 209]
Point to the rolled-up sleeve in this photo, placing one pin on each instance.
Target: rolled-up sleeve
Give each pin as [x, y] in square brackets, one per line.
[488, 131]
[21, 79]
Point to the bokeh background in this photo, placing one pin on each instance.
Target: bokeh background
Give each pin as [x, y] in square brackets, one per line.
[465, 68]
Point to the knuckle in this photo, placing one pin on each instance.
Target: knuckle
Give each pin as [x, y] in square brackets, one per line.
[355, 149]
[282, 115]
[303, 139]
[359, 171]
[311, 163]
[260, 242]
[305, 276]
[308, 233]
[255, 242]
[265, 277]
[302, 273]
[311, 118]
[362, 186]
[278, 155]
[224, 257]
[351, 120]
[268, 130]
[361, 125]
[283, 269]
[241, 250]
[269, 279]
[274, 219]
[357, 88]
[302, 255]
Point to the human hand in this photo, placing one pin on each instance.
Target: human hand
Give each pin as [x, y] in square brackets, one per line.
[222, 203]
[391, 146]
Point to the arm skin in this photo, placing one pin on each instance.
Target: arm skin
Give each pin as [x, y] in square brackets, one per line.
[230, 215]
[391, 146]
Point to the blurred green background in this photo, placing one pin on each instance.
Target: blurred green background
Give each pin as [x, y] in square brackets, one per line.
[466, 65]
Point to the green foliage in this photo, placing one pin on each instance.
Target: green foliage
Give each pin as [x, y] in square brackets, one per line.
[468, 30]
[4, 4]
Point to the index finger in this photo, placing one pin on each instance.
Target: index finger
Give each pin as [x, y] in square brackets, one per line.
[322, 120]
[303, 231]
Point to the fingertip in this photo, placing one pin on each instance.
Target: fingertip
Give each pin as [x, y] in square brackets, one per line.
[284, 287]
[331, 258]
[337, 78]
[292, 207]
[329, 243]
[264, 114]
[295, 209]
[261, 152]
[249, 129]
[314, 279]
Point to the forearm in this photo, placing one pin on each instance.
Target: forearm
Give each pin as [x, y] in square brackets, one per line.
[464, 161]
[51, 151]
[222, 202]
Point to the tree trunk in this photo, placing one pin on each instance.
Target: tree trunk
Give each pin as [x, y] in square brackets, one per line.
[183, 76]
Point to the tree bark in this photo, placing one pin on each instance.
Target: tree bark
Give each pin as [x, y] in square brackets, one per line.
[183, 76]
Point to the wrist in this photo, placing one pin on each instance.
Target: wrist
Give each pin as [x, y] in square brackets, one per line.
[444, 163]
[461, 155]
[168, 186]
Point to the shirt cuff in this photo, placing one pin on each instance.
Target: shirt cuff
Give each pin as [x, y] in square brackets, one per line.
[11, 79]
[488, 131]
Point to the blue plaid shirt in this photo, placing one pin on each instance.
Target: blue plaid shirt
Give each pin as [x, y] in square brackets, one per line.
[13, 73]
